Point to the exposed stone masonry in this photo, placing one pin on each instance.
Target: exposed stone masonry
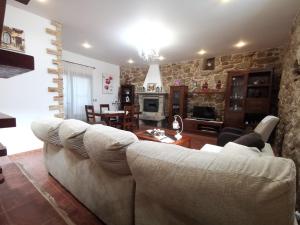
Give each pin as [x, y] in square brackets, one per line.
[192, 74]
[288, 132]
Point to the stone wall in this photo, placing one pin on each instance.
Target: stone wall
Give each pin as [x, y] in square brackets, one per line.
[288, 132]
[192, 74]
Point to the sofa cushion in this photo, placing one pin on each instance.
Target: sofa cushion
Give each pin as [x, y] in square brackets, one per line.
[71, 134]
[47, 130]
[107, 146]
[237, 149]
[251, 140]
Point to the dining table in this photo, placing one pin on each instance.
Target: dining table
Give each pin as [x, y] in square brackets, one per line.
[109, 114]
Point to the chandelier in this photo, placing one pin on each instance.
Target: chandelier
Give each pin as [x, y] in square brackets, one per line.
[149, 54]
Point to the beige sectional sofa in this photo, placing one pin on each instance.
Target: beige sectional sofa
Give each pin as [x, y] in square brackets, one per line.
[126, 181]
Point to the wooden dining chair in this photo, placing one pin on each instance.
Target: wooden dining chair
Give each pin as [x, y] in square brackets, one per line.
[90, 114]
[110, 121]
[136, 116]
[104, 107]
[128, 120]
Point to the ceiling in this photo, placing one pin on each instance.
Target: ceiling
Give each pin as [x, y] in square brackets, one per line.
[196, 24]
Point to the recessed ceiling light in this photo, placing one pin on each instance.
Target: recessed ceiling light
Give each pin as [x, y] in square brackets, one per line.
[86, 45]
[42, 1]
[225, 1]
[130, 61]
[240, 44]
[202, 52]
[161, 58]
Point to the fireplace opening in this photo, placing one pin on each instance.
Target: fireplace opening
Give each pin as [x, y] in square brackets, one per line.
[151, 105]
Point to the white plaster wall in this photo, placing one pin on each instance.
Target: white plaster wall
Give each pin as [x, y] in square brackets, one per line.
[26, 96]
[100, 68]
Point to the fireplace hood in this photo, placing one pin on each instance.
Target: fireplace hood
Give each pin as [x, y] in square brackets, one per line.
[13, 63]
[153, 77]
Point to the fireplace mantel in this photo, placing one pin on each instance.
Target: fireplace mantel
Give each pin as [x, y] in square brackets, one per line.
[151, 93]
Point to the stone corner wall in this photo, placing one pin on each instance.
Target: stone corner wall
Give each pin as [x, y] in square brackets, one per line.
[287, 142]
[192, 74]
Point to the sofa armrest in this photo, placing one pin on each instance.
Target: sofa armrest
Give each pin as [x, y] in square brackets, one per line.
[233, 130]
[193, 187]
[225, 137]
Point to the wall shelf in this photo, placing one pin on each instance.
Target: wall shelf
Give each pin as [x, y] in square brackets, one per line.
[208, 92]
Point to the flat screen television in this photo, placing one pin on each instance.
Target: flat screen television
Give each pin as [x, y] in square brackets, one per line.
[204, 113]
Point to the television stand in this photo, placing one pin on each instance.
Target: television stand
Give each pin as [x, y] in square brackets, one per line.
[210, 127]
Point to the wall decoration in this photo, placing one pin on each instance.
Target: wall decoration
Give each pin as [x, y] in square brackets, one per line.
[209, 64]
[13, 39]
[107, 81]
[218, 85]
[151, 87]
[177, 82]
[56, 70]
[205, 86]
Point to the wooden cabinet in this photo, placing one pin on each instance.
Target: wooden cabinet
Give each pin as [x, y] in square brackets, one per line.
[126, 95]
[178, 102]
[248, 97]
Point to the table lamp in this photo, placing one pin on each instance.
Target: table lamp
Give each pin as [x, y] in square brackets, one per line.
[176, 126]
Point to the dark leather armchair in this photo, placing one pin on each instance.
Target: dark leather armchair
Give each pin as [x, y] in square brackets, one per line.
[264, 128]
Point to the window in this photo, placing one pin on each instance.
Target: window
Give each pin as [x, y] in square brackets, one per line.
[77, 90]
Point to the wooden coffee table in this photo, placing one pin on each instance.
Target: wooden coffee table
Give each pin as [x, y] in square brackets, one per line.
[185, 141]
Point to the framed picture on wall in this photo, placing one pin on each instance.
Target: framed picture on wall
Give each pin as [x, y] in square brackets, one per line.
[107, 83]
[151, 87]
[13, 39]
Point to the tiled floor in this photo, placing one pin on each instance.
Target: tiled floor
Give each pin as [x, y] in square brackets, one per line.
[21, 203]
[34, 165]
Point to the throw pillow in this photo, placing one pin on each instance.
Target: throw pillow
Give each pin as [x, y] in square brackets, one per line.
[251, 140]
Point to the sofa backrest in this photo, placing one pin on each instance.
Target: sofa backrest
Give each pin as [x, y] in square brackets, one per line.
[176, 185]
[107, 147]
[47, 130]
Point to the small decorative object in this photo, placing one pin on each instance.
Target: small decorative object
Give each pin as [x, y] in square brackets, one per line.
[205, 86]
[209, 64]
[176, 126]
[194, 84]
[107, 81]
[13, 39]
[218, 85]
[143, 89]
[177, 82]
[127, 99]
[151, 87]
[157, 89]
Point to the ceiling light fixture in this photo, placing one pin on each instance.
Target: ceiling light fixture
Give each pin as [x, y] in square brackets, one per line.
[240, 44]
[42, 1]
[202, 52]
[225, 1]
[86, 45]
[148, 37]
[130, 61]
[161, 58]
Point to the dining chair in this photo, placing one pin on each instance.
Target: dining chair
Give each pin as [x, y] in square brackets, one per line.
[128, 120]
[104, 107]
[110, 121]
[90, 114]
[136, 116]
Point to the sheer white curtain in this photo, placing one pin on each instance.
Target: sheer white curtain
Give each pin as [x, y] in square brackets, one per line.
[77, 90]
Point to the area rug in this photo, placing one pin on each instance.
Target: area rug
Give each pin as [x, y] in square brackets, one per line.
[22, 202]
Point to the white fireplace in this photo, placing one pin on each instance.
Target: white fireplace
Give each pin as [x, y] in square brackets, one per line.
[153, 105]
